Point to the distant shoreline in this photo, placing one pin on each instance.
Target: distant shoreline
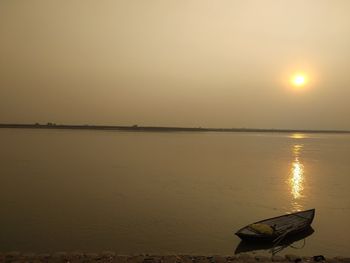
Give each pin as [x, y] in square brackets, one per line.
[136, 128]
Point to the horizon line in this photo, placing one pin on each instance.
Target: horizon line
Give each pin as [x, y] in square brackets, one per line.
[135, 127]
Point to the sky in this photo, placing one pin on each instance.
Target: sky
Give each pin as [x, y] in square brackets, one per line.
[190, 63]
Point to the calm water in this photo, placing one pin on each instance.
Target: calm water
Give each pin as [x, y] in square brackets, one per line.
[168, 192]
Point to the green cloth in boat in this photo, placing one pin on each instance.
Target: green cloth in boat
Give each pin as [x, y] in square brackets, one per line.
[262, 228]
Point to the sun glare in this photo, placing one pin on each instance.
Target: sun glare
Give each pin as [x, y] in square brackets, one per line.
[299, 80]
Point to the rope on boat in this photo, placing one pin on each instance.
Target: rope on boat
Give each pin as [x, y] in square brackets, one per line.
[275, 249]
[277, 240]
[299, 247]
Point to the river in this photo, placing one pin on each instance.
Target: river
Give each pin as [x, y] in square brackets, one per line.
[170, 192]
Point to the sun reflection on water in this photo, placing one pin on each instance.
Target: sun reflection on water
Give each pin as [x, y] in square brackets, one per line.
[296, 178]
[298, 136]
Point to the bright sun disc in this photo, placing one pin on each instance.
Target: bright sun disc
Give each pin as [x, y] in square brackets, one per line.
[299, 80]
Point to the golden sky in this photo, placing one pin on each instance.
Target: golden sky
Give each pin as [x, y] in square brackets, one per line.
[221, 63]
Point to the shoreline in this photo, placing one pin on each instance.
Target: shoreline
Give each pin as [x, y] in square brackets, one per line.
[110, 256]
[136, 128]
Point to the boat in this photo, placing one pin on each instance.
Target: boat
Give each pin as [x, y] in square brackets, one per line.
[277, 228]
[246, 246]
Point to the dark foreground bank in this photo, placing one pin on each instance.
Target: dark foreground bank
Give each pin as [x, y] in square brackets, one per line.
[109, 256]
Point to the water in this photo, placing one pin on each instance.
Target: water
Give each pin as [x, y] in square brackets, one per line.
[167, 193]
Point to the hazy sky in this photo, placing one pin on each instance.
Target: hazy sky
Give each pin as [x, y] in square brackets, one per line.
[218, 63]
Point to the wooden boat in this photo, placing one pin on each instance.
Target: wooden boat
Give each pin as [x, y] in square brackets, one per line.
[277, 228]
[265, 245]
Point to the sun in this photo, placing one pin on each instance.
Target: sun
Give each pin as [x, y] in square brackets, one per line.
[299, 80]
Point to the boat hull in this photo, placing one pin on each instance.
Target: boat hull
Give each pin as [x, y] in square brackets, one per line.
[285, 225]
[253, 245]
